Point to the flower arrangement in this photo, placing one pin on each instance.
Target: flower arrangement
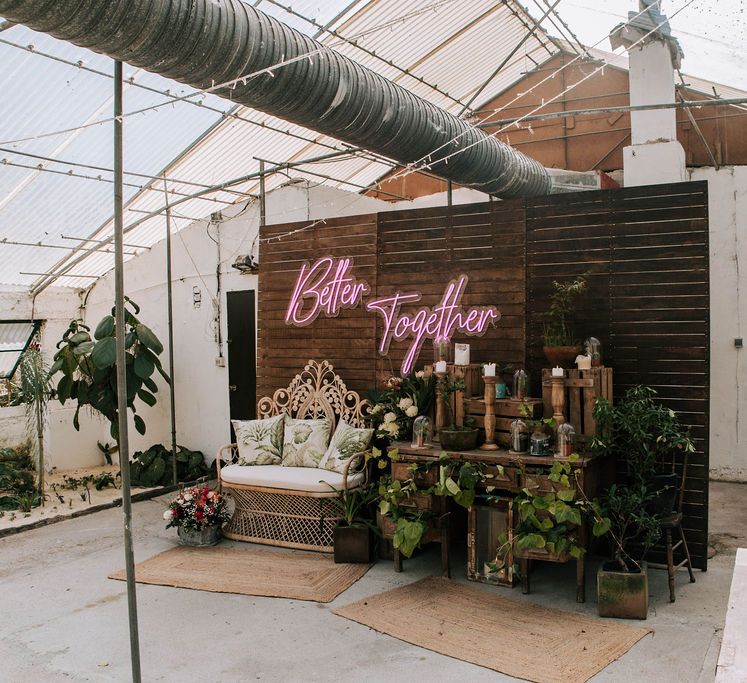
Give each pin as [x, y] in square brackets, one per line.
[196, 508]
[402, 399]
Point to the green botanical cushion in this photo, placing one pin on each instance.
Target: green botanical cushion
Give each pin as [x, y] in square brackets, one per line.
[260, 442]
[305, 442]
[346, 442]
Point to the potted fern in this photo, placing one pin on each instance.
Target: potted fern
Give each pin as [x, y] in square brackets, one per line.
[561, 346]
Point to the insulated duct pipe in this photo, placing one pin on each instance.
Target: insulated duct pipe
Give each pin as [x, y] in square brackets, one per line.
[207, 42]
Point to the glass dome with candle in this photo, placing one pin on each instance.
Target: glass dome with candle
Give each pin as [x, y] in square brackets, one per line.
[519, 439]
[566, 440]
[442, 350]
[593, 349]
[521, 385]
[422, 432]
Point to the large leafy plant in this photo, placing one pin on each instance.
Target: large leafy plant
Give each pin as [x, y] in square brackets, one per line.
[399, 402]
[89, 367]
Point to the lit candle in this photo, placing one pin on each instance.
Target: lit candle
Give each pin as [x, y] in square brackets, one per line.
[557, 371]
[489, 369]
[441, 366]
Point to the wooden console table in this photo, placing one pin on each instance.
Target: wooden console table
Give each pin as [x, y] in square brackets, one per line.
[519, 470]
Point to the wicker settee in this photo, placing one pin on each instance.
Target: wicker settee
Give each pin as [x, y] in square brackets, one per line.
[292, 506]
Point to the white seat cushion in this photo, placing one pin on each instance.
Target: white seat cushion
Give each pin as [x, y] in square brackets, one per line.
[309, 479]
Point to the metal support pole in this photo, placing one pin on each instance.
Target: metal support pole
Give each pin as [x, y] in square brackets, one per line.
[449, 193]
[119, 315]
[170, 305]
[262, 196]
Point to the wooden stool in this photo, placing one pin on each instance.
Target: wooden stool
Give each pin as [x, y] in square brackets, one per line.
[438, 533]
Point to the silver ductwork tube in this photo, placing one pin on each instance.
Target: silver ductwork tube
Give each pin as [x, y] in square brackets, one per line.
[207, 42]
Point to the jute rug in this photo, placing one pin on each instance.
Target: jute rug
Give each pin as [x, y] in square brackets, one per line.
[519, 639]
[251, 571]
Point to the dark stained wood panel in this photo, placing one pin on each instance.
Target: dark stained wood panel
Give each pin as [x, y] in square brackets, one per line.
[645, 252]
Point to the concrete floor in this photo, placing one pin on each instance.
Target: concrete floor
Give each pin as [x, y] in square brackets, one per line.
[63, 620]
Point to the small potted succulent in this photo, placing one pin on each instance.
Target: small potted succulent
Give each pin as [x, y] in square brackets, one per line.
[198, 513]
[560, 343]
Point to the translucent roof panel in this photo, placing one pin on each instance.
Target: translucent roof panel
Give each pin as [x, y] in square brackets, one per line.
[14, 338]
[420, 46]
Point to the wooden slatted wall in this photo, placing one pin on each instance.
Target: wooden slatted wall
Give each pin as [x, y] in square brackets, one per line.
[645, 251]
[422, 250]
[347, 341]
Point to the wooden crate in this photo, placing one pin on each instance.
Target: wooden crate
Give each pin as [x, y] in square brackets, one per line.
[506, 411]
[487, 521]
[582, 387]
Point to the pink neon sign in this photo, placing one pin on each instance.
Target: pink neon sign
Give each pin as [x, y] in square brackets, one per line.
[326, 286]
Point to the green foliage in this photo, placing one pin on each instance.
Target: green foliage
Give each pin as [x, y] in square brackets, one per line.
[550, 519]
[645, 436]
[153, 467]
[457, 480]
[558, 326]
[641, 432]
[37, 390]
[89, 367]
[354, 505]
[16, 477]
[413, 394]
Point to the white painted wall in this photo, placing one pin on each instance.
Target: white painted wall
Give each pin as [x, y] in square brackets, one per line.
[64, 447]
[201, 386]
[727, 207]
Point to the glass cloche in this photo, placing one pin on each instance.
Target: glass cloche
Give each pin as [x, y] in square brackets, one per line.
[422, 432]
[519, 439]
[566, 440]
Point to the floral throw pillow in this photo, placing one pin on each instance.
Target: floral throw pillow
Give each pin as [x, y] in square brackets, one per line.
[305, 442]
[260, 442]
[347, 441]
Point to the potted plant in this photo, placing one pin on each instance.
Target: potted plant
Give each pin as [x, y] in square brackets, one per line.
[198, 513]
[644, 436]
[353, 536]
[456, 437]
[560, 343]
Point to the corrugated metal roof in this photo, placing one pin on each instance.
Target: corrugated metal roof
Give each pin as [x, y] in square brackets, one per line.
[14, 337]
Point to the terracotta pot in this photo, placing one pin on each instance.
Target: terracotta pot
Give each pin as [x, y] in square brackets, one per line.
[199, 538]
[623, 595]
[458, 439]
[563, 356]
[353, 544]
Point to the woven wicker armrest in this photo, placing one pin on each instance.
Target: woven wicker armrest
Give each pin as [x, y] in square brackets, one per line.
[227, 453]
[354, 463]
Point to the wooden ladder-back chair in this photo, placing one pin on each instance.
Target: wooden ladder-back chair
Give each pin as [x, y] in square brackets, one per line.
[284, 516]
[669, 525]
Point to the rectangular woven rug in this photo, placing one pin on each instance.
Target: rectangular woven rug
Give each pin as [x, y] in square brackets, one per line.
[296, 575]
[520, 639]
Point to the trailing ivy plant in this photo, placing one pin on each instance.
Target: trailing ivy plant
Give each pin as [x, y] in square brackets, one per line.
[550, 520]
[457, 480]
[89, 367]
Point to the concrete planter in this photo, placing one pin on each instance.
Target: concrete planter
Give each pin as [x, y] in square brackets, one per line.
[623, 595]
[199, 538]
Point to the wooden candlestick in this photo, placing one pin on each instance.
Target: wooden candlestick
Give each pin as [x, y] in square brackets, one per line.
[558, 400]
[489, 444]
[440, 405]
